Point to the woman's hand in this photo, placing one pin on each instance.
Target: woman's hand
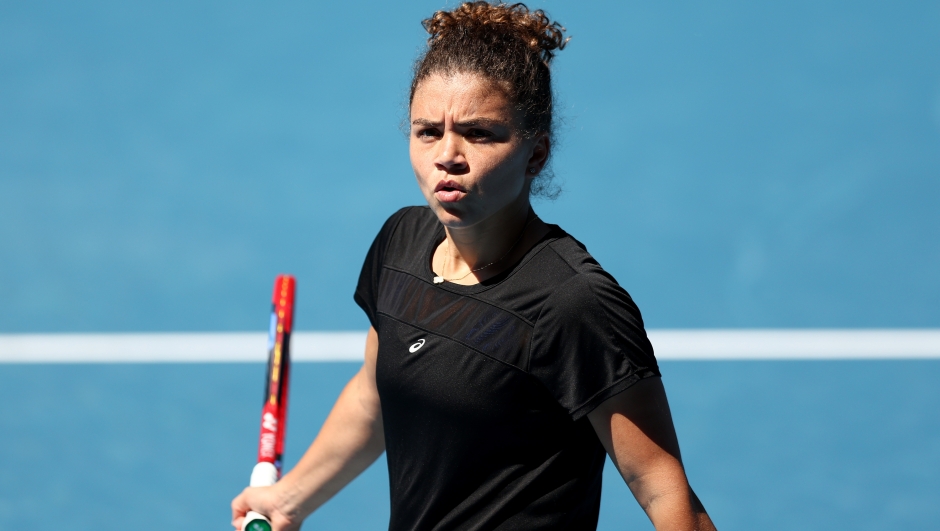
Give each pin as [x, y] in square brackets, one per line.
[268, 501]
[636, 429]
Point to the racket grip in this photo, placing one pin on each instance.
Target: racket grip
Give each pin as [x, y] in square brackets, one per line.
[256, 522]
[264, 474]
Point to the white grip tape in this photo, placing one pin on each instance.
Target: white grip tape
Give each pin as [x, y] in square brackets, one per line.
[264, 474]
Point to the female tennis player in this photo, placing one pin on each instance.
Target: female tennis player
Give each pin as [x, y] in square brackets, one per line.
[503, 363]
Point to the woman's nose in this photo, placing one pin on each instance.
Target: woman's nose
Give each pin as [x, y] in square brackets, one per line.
[450, 159]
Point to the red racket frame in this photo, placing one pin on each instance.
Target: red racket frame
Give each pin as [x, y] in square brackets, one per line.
[274, 412]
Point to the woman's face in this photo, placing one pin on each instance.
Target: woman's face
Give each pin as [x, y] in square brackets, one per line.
[467, 150]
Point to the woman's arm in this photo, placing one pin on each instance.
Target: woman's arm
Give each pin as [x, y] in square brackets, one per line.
[351, 439]
[636, 429]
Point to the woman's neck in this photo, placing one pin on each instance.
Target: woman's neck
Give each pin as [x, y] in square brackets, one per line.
[472, 254]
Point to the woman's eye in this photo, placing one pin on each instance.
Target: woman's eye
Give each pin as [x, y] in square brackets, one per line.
[427, 133]
[479, 133]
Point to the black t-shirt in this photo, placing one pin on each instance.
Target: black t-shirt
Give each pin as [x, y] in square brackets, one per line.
[485, 388]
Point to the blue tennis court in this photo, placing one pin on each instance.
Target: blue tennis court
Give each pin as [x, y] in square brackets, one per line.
[774, 445]
[735, 165]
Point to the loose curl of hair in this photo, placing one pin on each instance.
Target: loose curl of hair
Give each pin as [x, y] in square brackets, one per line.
[509, 44]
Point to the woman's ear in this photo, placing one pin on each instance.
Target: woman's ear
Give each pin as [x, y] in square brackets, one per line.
[539, 156]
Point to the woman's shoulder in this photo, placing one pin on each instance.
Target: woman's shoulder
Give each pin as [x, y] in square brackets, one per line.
[406, 236]
[417, 217]
[584, 283]
[409, 220]
[589, 331]
[581, 266]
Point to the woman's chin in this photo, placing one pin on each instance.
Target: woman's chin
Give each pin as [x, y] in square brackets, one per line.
[451, 215]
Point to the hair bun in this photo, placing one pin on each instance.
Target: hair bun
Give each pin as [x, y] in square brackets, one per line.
[534, 28]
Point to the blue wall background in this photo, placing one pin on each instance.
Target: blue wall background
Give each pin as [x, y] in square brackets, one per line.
[733, 164]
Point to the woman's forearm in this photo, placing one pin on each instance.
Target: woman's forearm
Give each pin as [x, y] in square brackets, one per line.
[670, 503]
[350, 440]
[636, 429]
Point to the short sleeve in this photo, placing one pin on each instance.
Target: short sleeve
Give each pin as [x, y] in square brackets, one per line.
[590, 344]
[367, 289]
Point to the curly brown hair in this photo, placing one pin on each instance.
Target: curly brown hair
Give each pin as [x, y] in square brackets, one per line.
[509, 44]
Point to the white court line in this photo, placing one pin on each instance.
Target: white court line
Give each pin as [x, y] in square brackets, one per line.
[175, 347]
[715, 344]
[803, 344]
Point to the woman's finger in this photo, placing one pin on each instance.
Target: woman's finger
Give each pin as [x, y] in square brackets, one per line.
[239, 508]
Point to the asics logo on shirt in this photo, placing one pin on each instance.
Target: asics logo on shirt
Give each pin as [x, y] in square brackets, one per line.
[414, 348]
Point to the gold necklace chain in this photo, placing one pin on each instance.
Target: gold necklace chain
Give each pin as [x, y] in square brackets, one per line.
[438, 279]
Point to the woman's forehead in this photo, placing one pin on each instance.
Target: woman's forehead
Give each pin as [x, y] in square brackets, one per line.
[461, 96]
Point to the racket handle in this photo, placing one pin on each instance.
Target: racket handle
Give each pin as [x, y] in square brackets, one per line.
[264, 474]
[256, 522]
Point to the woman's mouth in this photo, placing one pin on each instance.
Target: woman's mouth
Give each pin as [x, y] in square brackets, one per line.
[449, 192]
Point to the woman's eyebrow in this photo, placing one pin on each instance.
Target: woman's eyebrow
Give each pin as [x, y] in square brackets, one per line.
[481, 122]
[425, 123]
[476, 122]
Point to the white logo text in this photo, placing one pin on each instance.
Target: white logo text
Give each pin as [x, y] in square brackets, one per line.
[416, 346]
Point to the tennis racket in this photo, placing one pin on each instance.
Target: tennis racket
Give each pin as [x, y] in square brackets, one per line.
[274, 413]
